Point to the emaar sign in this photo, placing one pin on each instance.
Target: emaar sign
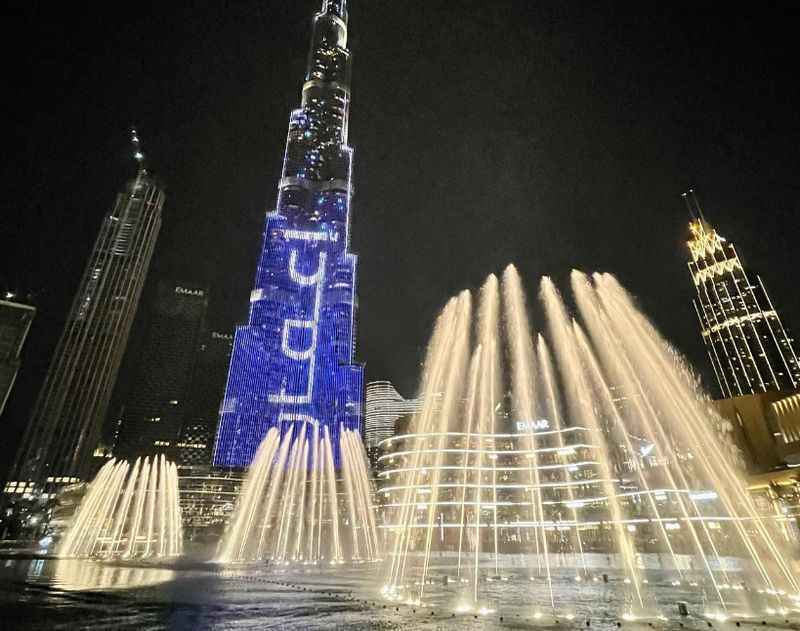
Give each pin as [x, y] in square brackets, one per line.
[189, 292]
[533, 426]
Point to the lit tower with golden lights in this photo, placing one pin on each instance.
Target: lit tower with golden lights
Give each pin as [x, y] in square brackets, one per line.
[747, 344]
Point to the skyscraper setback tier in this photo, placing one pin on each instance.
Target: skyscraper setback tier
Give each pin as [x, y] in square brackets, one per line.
[749, 349]
[293, 363]
[67, 419]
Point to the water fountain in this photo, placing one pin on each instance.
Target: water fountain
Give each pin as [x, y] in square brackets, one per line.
[293, 508]
[566, 462]
[128, 512]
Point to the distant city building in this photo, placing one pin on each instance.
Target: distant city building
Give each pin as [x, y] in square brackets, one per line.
[157, 400]
[193, 447]
[749, 349]
[196, 441]
[293, 366]
[384, 407]
[766, 430]
[15, 322]
[67, 419]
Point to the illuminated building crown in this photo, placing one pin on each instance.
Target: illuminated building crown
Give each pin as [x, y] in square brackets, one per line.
[749, 349]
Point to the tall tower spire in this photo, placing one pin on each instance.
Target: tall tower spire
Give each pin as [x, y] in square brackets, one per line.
[138, 154]
[293, 365]
[749, 349]
[336, 7]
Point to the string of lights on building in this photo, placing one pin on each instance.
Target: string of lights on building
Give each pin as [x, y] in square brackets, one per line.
[747, 344]
[384, 407]
[293, 363]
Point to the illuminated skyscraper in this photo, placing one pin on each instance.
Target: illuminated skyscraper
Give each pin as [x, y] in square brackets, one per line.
[67, 419]
[293, 363]
[747, 345]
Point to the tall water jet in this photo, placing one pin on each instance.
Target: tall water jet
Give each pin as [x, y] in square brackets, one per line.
[629, 380]
[289, 510]
[118, 518]
[578, 392]
[443, 377]
[523, 401]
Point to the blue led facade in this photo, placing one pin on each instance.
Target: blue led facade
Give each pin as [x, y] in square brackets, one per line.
[293, 363]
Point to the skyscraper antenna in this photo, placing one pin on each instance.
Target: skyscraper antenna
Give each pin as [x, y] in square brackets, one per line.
[685, 197]
[697, 205]
[138, 155]
[337, 7]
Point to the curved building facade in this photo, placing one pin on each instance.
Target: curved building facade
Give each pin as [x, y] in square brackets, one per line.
[385, 406]
[505, 491]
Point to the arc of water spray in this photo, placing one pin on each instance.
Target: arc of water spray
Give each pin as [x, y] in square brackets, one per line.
[105, 511]
[300, 521]
[602, 388]
[151, 504]
[141, 488]
[121, 501]
[334, 502]
[289, 498]
[350, 498]
[602, 330]
[361, 490]
[421, 422]
[572, 371]
[472, 388]
[696, 425]
[490, 376]
[86, 512]
[458, 353]
[522, 384]
[546, 367]
[232, 547]
[312, 509]
[127, 498]
[276, 473]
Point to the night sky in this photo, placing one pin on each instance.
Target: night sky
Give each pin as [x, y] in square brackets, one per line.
[547, 134]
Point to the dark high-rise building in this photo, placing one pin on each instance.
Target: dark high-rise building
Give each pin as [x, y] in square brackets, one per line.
[293, 363]
[156, 402]
[749, 349]
[15, 322]
[196, 440]
[67, 419]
